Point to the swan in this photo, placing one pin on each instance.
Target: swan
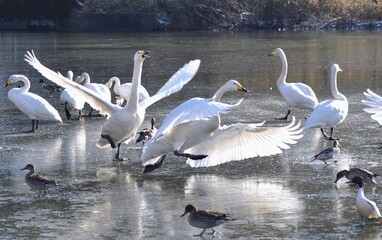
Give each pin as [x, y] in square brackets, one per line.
[122, 122]
[374, 103]
[36, 107]
[101, 89]
[123, 90]
[296, 95]
[331, 112]
[205, 218]
[366, 208]
[71, 100]
[187, 125]
[147, 133]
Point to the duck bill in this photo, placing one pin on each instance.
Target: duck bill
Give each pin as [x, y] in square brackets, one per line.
[183, 214]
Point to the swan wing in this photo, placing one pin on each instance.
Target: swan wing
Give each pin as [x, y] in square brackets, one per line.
[95, 100]
[374, 104]
[306, 90]
[241, 141]
[174, 84]
[192, 110]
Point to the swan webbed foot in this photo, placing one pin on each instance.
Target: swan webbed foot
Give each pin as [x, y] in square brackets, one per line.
[118, 158]
[111, 142]
[30, 131]
[191, 156]
[152, 167]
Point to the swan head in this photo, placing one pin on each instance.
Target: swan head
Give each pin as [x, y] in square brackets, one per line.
[335, 68]
[69, 74]
[277, 52]
[141, 55]
[233, 85]
[13, 79]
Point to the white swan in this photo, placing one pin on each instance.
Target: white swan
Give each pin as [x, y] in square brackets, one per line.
[331, 112]
[36, 107]
[374, 103]
[101, 89]
[194, 129]
[296, 95]
[123, 122]
[71, 100]
[123, 90]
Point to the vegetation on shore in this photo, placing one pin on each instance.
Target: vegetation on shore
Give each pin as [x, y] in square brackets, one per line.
[245, 14]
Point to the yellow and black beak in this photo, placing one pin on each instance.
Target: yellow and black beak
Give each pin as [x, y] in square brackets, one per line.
[272, 54]
[145, 54]
[9, 82]
[241, 88]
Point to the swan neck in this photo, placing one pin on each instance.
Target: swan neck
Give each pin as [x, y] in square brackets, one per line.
[133, 98]
[333, 87]
[26, 82]
[219, 93]
[86, 78]
[117, 83]
[284, 69]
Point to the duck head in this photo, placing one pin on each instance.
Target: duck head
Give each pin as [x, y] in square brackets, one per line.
[189, 209]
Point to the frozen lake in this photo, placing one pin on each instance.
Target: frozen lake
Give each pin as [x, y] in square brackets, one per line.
[282, 196]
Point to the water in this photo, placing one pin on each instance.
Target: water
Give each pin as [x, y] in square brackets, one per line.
[282, 196]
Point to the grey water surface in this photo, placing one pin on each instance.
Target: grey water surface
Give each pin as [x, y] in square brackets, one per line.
[281, 196]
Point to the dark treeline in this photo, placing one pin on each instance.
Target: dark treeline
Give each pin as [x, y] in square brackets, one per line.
[195, 14]
[245, 14]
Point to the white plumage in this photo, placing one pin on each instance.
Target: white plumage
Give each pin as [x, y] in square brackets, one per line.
[331, 112]
[123, 122]
[296, 95]
[124, 90]
[374, 103]
[187, 125]
[71, 100]
[36, 107]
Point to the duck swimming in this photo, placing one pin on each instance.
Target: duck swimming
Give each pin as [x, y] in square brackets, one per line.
[37, 182]
[205, 218]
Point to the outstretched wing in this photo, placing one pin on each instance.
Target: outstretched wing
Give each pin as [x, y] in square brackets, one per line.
[241, 141]
[94, 99]
[174, 84]
[374, 104]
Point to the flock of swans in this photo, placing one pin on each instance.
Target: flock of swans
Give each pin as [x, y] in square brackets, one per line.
[193, 129]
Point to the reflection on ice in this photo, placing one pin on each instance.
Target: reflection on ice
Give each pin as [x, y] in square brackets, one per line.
[256, 200]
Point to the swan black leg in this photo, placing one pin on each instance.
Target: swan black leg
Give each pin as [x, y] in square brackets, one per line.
[152, 167]
[285, 117]
[108, 138]
[191, 156]
[67, 113]
[37, 122]
[33, 128]
[117, 157]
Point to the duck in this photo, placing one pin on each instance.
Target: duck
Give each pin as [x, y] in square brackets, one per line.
[296, 95]
[366, 208]
[123, 90]
[71, 100]
[205, 218]
[374, 103]
[122, 123]
[367, 175]
[147, 133]
[50, 89]
[332, 112]
[37, 182]
[36, 107]
[328, 153]
[187, 125]
[99, 88]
